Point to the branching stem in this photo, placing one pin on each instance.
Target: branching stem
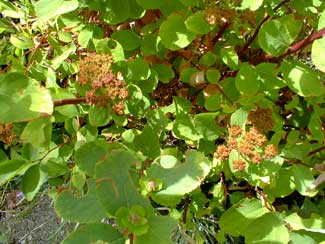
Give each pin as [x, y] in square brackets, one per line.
[294, 48]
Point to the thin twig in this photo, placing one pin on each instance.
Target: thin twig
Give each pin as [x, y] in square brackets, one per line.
[68, 101]
[316, 151]
[187, 201]
[223, 28]
[266, 18]
[56, 147]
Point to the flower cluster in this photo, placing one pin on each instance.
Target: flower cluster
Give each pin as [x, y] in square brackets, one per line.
[261, 119]
[106, 87]
[250, 144]
[6, 134]
[219, 16]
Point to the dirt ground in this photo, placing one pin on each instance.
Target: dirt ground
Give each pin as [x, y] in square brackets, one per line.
[33, 223]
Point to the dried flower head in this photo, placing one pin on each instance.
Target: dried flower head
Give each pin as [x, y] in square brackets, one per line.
[261, 119]
[222, 153]
[107, 87]
[256, 158]
[246, 148]
[235, 131]
[255, 137]
[239, 164]
[220, 16]
[6, 133]
[232, 143]
[270, 151]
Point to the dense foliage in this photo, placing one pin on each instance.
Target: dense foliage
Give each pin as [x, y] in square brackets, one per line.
[168, 121]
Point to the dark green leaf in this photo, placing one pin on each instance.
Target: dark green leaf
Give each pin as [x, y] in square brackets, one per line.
[247, 80]
[127, 38]
[83, 209]
[114, 182]
[173, 33]
[22, 99]
[32, 181]
[89, 233]
[276, 35]
[180, 179]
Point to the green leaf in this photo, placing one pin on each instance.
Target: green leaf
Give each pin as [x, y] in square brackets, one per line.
[165, 72]
[149, 85]
[253, 5]
[184, 128]
[229, 57]
[99, 116]
[297, 238]
[318, 46]
[11, 168]
[110, 46]
[247, 80]
[151, 44]
[137, 103]
[90, 233]
[85, 36]
[47, 9]
[148, 142]
[197, 24]
[302, 79]
[174, 34]
[138, 69]
[83, 209]
[208, 59]
[149, 4]
[271, 229]
[179, 106]
[268, 73]
[55, 167]
[275, 36]
[303, 179]
[114, 182]
[315, 125]
[236, 219]
[180, 179]
[213, 76]
[64, 53]
[32, 181]
[127, 38]
[283, 184]
[160, 231]
[187, 73]
[91, 153]
[114, 12]
[206, 125]
[22, 99]
[239, 118]
[313, 224]
[21, 41]
[38, 132]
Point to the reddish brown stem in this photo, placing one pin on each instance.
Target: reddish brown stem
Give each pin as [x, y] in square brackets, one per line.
[187, 201]
[266, 18]
[69, 101]
[223, 28]
[294, 48]
[316, 151]
[131, 237]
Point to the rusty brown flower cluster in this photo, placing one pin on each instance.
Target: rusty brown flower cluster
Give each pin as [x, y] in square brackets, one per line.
[261, 119]
[6, 133]
[106, 87]
[219, 16]
[251, 144]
